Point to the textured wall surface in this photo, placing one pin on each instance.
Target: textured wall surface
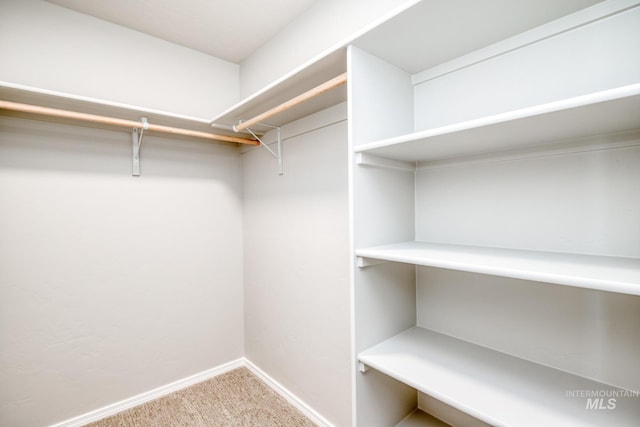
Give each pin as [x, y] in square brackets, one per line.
[111, 285]
[296, 248]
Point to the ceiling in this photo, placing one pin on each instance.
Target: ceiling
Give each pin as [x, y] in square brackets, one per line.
[227, 29]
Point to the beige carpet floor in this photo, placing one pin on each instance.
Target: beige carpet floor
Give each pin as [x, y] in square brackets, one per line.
[237, 398]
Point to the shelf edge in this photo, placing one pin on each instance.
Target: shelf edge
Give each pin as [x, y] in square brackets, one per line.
[625, 287]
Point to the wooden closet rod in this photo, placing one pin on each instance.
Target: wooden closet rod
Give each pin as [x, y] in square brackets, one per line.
[318, 90]
[35, 109]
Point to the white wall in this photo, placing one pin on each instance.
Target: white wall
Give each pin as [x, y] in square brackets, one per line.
[47, 46]
[324, 25]
[112, 285]
[585, 202]
[296, 247]
[583, 331]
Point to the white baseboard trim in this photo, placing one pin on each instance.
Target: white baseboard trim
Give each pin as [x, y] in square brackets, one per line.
[148, 396]
[290, 397]
[156, 393]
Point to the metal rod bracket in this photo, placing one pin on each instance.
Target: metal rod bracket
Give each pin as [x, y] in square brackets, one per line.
[278, 153]
[136, 139]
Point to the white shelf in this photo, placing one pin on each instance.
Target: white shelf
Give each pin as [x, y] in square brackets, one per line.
[585, 271]
[494, 387]
[419, 418]
[606, 112]
[293, 84]
[65, 101]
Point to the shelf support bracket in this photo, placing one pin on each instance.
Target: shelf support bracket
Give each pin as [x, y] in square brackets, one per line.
[136, 139]
[278, 153]
[362, 367]
[363, 262]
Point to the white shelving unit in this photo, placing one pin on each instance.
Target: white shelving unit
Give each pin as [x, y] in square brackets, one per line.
[494, 387]
[450, 146]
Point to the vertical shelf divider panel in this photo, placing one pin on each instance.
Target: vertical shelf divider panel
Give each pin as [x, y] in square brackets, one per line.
[380, 105]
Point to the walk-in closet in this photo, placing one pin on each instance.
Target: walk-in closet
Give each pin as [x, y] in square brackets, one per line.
[333, 213]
